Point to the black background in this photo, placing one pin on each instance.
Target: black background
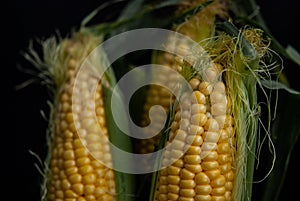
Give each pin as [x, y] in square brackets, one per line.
[33, 18]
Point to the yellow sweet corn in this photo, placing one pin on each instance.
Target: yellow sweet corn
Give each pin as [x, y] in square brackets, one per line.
[74, 173]
[157, 95]
[202, 146]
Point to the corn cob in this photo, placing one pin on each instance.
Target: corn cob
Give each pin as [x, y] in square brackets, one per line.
[78, 120]
[157, 95]
[203, 133]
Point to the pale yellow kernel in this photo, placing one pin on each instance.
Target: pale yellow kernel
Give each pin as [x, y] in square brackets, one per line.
[225, 168]
[57, 184]
[220, 87]
[217, 97]
[163, 197]
[192, 159]
[211, 156]
[63, 125]
[51, 196]
[195, 130]
[187, 192]
[174, 126]
[164, 172]
[91, 198]
[187, 174]
[83, 161]
[210, 136]
[212, 174]
[172, 179]
[208, 146]
[184, 124]
[178, 163]
[229, 176]
[65, 184]
[71, 170]
[209, 165]
[195, 168]
[194, 83]
[229, 185]
[68, 145]
[218, 190]
[177, 144]
[69, 163]
[70, 199]
[224, 158]
[176, 154]
[69, 117]
[109, 174]
[195, 140]
[163, 180]
[81, 152]
[69, 155]
[181, 198]
[198, 97]
[201, 178]
[211, 125]
[75, 178]
[192, 150]
[198, 108]
[218, 109]
[224, 148]
[185, 114]
[188, 184]
[172, 170]
[68, 134]
[70, 194]
[89, 179]
[163, 189]
[59, 194]
[203, 189]
[93, 138]
[224, 137]
[65, 107]
[100, 190]
[78, 188]
[205, 88]
[78, 143]
[173, 196]
[83, 170]
[228, 196]
[230, 131]
[55, 170]
[202, 198]
[218, 182]
[199, 119]
[211, 74]
[217, 198]
[173, 189]
[89, 189]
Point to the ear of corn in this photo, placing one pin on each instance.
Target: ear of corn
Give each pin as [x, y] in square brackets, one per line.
[80, 161]
[203, 133]
[158, 95]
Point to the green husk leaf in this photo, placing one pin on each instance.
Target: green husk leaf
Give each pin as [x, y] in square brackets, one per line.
[294, 55]
[272, 84]
[285, 133]
[125, 183]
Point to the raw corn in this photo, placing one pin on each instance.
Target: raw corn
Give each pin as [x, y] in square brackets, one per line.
[201, 145]
[158, 95]
[75, 174]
